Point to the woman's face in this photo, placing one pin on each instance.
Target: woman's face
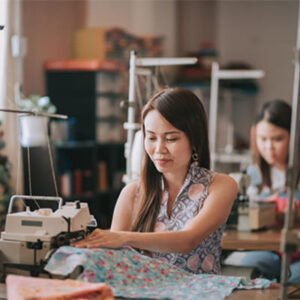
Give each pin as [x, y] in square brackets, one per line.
[272, 143]
[167, 146]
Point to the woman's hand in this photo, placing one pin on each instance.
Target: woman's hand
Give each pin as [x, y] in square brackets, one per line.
[101, 238]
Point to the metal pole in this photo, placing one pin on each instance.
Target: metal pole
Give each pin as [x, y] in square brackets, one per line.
[292, 172]
[131, 115]
[213, 112]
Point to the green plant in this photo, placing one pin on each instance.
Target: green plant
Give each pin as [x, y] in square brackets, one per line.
[38, 103]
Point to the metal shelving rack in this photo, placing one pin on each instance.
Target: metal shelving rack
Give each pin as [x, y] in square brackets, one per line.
[216, 75]
[138, 66]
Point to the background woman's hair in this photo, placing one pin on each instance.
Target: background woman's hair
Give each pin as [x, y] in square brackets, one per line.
[276, 112]
[184, 110]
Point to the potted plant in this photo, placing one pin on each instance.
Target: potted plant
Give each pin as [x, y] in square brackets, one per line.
[34, 128]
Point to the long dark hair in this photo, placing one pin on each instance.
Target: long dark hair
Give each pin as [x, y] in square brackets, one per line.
[278, 113]
[184, 110]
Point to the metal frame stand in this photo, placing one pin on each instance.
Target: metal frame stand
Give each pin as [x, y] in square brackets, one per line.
[216, 75]
[136, 66]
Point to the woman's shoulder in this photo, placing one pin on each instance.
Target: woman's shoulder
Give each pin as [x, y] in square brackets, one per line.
[224, 179]
[223, 183]
[127, 197]
[131, 187]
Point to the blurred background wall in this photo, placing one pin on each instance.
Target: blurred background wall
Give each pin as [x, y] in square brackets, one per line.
[260, 33]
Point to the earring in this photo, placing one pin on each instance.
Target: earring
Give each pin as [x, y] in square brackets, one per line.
[195, 156]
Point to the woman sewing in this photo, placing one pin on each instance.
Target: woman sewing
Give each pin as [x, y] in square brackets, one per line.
[176, 211]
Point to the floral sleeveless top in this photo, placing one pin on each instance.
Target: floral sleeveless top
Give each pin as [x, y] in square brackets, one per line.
[206, 257]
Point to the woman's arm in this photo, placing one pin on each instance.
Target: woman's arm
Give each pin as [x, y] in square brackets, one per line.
[124, 208]
[215, 211]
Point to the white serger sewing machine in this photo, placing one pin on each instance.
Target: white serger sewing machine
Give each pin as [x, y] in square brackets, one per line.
[30, 236]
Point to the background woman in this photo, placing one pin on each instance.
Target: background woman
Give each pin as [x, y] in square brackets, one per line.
[270, 146]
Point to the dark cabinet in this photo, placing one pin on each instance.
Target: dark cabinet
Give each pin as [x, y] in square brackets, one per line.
[89, 146]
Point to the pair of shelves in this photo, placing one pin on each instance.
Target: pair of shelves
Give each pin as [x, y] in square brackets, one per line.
[89, 147]
[87, 169]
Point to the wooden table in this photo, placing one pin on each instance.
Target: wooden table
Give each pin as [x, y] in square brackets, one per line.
[238, 240]
[268, 240]
[267, 294]
[259, 240]
[235, 240]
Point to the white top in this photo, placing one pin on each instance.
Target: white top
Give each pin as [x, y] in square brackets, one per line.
[278, 180]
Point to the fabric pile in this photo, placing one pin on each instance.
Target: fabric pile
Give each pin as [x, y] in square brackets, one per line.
[28, 288]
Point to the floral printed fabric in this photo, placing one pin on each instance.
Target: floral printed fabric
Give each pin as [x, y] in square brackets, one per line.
[205, 258]
[133, 275]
